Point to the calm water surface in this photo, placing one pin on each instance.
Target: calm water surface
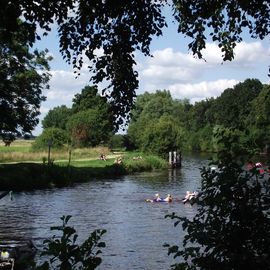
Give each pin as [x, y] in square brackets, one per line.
[136, 230]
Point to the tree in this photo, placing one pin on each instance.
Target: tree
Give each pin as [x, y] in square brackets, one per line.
[8, 138]
[148, 108]
[56, 136]
[223, 21]
[23, 75]
[117, 141]
[231, 229]
[57, 117]
[121, 29]
[201, 114]
[162, 136]
[258, 120]
[89, 128]
[233, 106]
[89, 98]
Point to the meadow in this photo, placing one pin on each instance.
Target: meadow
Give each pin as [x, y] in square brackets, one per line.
[21, 168]
[21, 151]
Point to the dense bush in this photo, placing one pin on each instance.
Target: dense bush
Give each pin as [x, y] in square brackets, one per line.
[231, 229]
[117, 141]
[65, 254]
[89, 128]
[56, 136]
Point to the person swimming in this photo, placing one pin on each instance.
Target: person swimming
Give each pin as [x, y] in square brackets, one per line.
[159, 199]
[168, 198]
[190, 196]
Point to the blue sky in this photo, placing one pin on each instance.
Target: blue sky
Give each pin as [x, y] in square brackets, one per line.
[172, 67]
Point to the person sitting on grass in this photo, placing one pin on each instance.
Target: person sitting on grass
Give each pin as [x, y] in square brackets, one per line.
[103, 157]
[118, 160]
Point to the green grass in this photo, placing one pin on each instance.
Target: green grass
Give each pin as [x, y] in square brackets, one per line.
[23, 146]
[22, 169]
[21, 151]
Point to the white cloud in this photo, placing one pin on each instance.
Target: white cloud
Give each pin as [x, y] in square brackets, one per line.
[167, 66]
[44, 110]
[64, 85]
[245, 54]
[199, 91]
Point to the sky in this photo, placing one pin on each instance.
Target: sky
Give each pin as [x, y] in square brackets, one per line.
[171, 67]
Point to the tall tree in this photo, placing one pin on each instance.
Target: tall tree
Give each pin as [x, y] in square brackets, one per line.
[148, 108]
[23, 75]
[89, 98]
[258, 121]
[89, 128]
[231, 228]
[57, 117]
[120, 29]
[234, 104]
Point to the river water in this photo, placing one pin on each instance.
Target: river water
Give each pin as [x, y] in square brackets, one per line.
[136, 230]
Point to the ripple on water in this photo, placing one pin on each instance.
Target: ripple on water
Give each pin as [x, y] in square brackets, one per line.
[136, 230]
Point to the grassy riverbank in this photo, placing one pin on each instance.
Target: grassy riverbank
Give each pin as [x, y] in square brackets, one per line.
[24, 172]
[21, 151]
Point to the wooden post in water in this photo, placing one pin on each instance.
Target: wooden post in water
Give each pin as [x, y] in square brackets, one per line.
[170, 159]
[175, 159]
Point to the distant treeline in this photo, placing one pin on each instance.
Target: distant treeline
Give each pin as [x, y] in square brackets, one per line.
[160, 123]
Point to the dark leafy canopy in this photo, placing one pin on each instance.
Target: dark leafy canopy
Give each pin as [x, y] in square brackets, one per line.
[121, 28]
[23, 75]
[234, 104]
[89, 98]
[225, 20]
[231, 229]
[64, 253]
[57, 117]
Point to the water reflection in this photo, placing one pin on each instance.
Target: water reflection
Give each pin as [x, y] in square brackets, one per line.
[136, 230]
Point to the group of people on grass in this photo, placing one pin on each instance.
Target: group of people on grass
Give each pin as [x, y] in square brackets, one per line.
[118, 160]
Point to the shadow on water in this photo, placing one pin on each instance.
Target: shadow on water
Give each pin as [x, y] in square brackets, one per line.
[136, 230]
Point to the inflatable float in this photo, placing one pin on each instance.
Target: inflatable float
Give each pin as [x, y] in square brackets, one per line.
[158, 199]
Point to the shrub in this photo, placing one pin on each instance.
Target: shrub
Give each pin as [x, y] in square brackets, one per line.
[56, 136]
[231, 229]
[66, 254]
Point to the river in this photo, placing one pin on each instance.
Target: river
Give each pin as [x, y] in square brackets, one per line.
[136, 230]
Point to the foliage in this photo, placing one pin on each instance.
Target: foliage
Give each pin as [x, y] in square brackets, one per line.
[258, 120]
[56, 117]
[234, 104]
[224, 21]
[231, 229]
[66, 254]
[89, 122]
[162, 137]
[89, 128]
[89, 98]
[23, 75]
[119, 30]
[56, 136]
[148, 128]
[117, 141]
[241, 111]
[8, 138]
